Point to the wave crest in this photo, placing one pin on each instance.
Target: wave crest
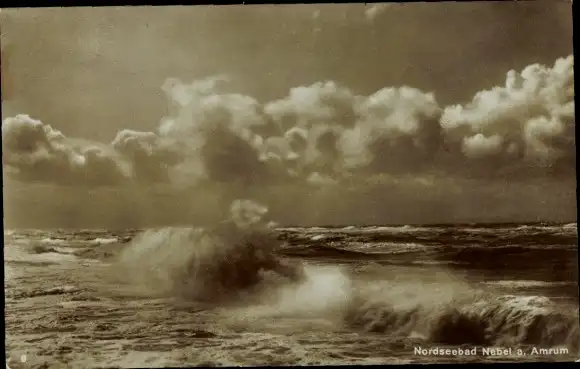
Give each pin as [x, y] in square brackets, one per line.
[203, 263]
[475, 319]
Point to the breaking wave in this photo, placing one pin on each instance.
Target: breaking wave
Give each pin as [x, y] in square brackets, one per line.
[445, 311]
[529, 284]
[47, 292]
[104, 241]
[469, 317]
[53, 241]
[237, 256]
[240, 261]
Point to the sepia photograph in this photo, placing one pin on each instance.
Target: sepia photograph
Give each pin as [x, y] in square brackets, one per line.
[297, 184]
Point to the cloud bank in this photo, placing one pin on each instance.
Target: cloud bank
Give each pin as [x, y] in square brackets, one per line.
[322, 133]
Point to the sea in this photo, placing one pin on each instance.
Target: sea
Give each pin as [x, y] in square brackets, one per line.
[181, 296]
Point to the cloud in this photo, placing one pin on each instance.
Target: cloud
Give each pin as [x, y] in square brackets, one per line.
[320, 103]
[217, 133]
[480, 146]
[529, 122]
[312, 119]
[398, 131]
[36, 152]
[332, 131]
[149, 155]
[322, 133]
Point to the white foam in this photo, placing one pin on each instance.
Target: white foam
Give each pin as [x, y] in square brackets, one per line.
[17, 254]
[526, 283]
[104, 241]
[388, 247]
[318, 237]
[65, 250]
[391, 229]
[324, 288]
[52, 241]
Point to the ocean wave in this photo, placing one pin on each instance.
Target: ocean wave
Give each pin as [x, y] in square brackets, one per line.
[528, 283]
[391, 248]
[319, 237]
[202, 264]
[37, 255]
[64, 250]
[307, 229]
[441, 237]
[396, 229]
[438, 310]
[104, 241]
[545, 228]
[248, 266]
[324, 251]
[53, 241]
[514, 256]
[478, 255]
[478, 320]
[38, 249]
[62, 290]
[205, 262]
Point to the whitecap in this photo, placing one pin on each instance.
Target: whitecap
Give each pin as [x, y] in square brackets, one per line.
[526, 283]
[318, 237]
[52, 241]
[104, 241]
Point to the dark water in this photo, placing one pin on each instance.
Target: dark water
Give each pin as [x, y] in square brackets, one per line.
[368, 295]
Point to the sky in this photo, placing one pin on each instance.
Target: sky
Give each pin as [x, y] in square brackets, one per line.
[330, 114]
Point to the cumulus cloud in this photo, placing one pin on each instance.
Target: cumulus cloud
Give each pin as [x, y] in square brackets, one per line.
[322, 102]
[332, 131]
[36, 152]
[319, 134]
[150, 157]
[529, 122]
[481, 146]
[233, 138]
[217, 133]
[312, 119]
[398, 131]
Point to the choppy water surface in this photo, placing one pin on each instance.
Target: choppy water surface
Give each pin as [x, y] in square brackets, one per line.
[370, 295]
